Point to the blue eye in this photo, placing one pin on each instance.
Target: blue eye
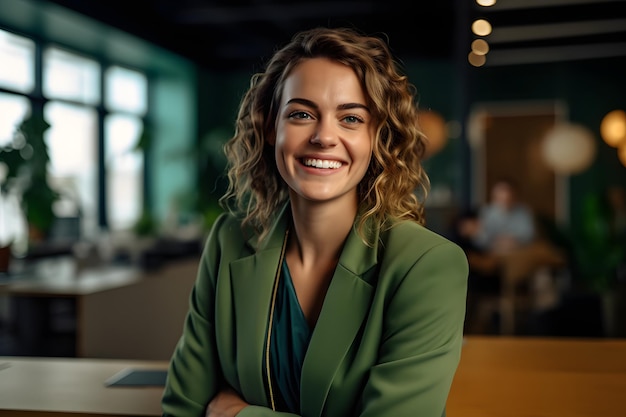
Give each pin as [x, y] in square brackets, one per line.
[352, 119]
[299, 115]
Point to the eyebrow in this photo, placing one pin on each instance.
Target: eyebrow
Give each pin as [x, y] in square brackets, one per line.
[345, 106]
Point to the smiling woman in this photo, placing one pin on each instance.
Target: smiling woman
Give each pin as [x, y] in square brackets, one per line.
[319, 291]
[331, 127]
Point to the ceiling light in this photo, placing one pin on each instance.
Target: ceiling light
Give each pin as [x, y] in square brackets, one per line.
[481, 27]
[613, 128]
[480, 47]
[569, 148]
[476, 60]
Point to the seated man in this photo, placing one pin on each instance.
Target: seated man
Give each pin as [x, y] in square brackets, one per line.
[505, 223]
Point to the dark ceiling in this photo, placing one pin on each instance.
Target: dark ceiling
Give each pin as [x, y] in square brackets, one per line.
[240, 34]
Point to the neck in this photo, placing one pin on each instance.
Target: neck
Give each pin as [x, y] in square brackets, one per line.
[320, 230]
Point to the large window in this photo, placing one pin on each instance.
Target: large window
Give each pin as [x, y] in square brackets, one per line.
[126, 91]
[71, 85]
[13, 109]
[70, 77]
[17, 55]
[96, 115]
[72, 142]
[124, 165]
[126, 103]
[17, 74]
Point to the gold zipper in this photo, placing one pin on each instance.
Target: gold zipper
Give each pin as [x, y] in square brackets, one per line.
[271, 321]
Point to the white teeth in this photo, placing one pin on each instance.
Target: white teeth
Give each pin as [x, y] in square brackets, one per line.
[319, 163]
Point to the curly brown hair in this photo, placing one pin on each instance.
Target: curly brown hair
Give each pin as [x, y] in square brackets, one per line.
[395, 183]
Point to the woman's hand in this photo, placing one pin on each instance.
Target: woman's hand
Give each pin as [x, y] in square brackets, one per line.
[227, 403]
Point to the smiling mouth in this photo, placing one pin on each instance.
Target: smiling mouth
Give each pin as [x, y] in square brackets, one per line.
[321, 163]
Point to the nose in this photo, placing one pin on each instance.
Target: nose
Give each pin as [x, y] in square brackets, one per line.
[325, 134]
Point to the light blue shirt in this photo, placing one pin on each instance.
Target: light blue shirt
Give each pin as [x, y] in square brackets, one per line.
[517, 223]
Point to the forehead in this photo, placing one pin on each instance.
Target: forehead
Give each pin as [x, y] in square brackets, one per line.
[323, 79]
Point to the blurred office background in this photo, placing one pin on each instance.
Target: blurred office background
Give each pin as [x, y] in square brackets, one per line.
[123, 106]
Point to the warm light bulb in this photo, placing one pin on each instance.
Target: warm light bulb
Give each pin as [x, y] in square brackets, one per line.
[434, 128]
[569, 148]
[613, 128]
[476, 60]
[480, 47]
[481, 27]
[486, 3]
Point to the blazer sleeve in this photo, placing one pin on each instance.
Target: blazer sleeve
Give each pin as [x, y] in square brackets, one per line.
[422, 339]
[194, 372]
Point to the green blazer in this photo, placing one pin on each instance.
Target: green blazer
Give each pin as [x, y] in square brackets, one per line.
[387, 341]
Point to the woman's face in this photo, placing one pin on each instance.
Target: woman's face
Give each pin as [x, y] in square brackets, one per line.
[324, 132]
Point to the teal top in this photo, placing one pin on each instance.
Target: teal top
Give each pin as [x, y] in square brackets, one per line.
[290, 338]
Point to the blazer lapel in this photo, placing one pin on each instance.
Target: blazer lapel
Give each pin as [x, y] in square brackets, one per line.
[345, 307]
[252, 280]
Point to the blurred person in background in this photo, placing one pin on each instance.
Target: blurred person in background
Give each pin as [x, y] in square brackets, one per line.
[506, 223]
[526, 262]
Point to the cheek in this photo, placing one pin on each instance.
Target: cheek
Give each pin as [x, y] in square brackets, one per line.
[289, 138]
[363, 158]
[281, 144]
[280, 134]
[283, 150]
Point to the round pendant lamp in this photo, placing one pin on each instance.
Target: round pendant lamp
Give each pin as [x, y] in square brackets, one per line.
[613, 128]
[433, 126]
[569, 148]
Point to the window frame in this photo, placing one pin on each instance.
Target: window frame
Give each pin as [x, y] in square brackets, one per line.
[38, 101]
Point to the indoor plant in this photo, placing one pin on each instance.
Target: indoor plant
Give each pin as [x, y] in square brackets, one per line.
[26, 160]
[596, 257]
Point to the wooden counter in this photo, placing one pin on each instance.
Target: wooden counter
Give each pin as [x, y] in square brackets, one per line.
[72, 387]
[497, 377]
[537, 377]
